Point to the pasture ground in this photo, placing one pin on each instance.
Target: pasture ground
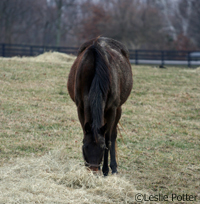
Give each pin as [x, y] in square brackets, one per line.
[158, 154]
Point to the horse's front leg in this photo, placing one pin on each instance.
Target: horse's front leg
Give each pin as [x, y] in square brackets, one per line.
[105, 168]
[113, 162]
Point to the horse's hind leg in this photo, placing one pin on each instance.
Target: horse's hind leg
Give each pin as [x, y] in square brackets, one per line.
[110, 118]
[113, 163]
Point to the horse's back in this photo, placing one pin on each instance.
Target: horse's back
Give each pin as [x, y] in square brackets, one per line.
[105, 42]
[117, 58]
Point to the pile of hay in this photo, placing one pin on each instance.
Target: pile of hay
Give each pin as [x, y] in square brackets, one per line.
[56, 57]
[198, 69]
[53, 57]
[192, 70]
[54, 178]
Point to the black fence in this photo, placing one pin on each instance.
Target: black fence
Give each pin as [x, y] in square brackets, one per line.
[165, 57]
[10, 50]
[154, 57]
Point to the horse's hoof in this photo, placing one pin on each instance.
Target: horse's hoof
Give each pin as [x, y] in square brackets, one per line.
[105, 174]
[115, 173]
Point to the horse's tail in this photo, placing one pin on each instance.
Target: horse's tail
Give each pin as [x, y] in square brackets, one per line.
[100, 85]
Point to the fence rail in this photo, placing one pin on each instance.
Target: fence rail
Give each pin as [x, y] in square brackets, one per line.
[10, 50]
[156, 57]
[164, 57]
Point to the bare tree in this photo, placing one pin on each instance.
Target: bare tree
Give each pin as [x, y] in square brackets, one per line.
[65, 16]
[131, 22]
[20, 20]
[9, 12]
[39, 21]
[194, 25]
[148, 24]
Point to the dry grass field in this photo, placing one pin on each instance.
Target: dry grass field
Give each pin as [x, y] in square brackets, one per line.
[40, 137]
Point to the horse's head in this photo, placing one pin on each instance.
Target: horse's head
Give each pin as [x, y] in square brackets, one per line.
[93, 146]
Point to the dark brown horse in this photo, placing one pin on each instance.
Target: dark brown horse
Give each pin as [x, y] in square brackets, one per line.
[99, 82]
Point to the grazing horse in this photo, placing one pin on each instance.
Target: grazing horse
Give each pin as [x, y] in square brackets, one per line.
[99, 82]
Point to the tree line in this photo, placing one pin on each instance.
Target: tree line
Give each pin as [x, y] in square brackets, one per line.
[139, 24]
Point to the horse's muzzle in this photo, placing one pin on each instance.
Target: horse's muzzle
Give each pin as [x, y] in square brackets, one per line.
[94, 168]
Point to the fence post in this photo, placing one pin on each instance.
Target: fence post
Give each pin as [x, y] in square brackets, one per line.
[136, 57]
[31, 51]
[3, 50]
[188, 58]
[162, 58]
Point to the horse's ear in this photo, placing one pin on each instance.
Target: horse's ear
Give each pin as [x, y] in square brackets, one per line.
[87, 128]
[103, 129]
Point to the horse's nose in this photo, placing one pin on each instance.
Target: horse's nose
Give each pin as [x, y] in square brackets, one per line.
[93, 168]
